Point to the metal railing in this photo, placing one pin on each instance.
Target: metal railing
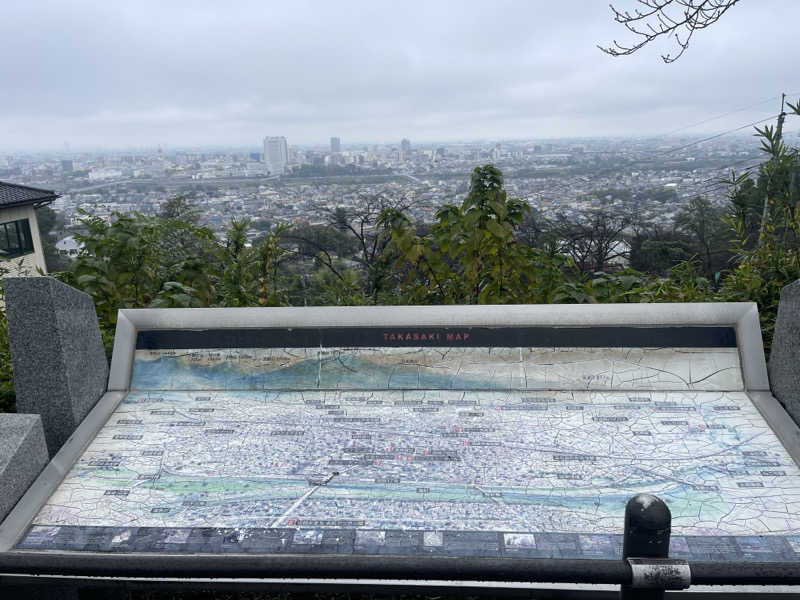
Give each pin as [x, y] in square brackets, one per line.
[644, 572]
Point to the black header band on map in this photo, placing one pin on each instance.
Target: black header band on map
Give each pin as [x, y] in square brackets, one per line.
[467, 337]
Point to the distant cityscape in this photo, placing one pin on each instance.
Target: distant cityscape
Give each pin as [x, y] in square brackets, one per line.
[282, 183]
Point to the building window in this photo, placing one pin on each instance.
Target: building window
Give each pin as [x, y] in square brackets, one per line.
[15, 239]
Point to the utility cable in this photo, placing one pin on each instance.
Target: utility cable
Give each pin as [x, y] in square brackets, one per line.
[715, 136]
[711, 184]
[731, 112]
[674, 131]
[735, 164]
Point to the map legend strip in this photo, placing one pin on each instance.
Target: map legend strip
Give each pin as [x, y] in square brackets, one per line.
[474, 337]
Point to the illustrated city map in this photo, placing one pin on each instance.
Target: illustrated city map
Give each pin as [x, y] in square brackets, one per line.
[462, 442]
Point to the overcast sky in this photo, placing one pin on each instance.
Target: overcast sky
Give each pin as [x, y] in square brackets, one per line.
[120, 74]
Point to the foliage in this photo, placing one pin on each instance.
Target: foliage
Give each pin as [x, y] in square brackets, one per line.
[50, 223]
[48, 220]
[656, 250]
[127, 263]
[7, 396]
[746, 202]
[595, 241]
[765, 217]
[471, 255]
[706, 227]
[178, 207]
[761, 274]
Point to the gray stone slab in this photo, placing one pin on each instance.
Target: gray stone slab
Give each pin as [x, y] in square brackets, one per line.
[784, 361]
[57, 355]
[23, 454]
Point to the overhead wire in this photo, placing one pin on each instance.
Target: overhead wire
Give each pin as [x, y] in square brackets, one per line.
[714, 183]
[719, 183]
[674, 131]
[726, 114]
[735, 164]
[718, 135]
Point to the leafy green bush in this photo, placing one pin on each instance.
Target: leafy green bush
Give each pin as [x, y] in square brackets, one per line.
[7, 396]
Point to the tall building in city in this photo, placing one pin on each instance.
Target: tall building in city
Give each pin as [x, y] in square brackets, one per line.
[405, 146]
[336, 145]
[276, 154]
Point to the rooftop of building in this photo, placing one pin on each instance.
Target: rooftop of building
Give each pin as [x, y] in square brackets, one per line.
[14, 194]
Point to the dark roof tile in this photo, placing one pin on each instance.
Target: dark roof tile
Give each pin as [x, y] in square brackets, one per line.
[12, 194]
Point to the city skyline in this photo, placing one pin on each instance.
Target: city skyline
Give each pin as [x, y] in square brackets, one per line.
[412, 71]
[323, 144]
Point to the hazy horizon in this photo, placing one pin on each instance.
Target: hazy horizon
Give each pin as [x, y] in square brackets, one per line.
[191, 75]
[358, 145]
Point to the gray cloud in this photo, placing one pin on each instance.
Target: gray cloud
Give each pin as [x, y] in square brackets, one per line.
[115, 74]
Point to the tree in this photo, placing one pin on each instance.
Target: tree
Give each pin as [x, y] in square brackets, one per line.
[370, 238]
[594, 241]
[704, 223]
[323, 242]
[267, 256]
[656, 250]
[535, 230]
[178, 207]
[470, 255]
[235, 277]
[676, 19]
[49, 221]
[7, 395]
[250, 273]
[129, 262]
[769, 203]
[780, 179]
[766, 264]
[745, 204]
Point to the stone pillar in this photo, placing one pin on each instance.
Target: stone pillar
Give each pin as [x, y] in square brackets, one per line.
[784, 360]
[23, 454]
[57, 355]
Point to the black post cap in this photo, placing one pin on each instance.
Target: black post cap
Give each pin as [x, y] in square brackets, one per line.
[647, 527]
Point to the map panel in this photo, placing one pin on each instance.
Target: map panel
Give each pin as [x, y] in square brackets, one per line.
[442, 368]
[477, 441]
[458, 472]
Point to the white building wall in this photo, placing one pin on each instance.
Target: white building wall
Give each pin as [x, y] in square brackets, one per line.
[27, 264]
[276, 154]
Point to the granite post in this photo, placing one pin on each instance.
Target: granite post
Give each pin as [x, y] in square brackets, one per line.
[23, 454]
[57, 355]
[784, 360]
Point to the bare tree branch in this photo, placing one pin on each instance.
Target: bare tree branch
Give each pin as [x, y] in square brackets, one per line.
[688, 16]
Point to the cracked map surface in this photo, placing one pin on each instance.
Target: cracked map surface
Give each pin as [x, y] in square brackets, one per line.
[457, 451]
[439, 368]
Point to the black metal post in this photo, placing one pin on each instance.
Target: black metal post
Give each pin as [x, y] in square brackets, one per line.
[647, 529]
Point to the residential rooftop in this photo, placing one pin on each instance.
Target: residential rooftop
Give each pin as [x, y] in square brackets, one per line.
[13, 194]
